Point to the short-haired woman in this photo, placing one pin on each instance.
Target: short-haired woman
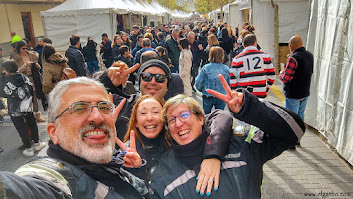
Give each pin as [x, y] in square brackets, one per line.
[241, 174]
[208, 79]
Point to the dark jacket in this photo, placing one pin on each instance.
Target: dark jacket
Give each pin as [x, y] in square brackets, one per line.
[176, 87]
[139, 53]
[299, 86]
[161, 42]
[18, 90]
[41, 178]
[226, 44]
[107, 49]
[76, 61]
[220, 122]
[173, 51]
[127, 60]
[115, 52]
[90, 52]
[196, 54]
[133, 39]
[241, 174]
[137, 48]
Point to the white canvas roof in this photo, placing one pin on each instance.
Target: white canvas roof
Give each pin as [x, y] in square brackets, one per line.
[81, 7]
[144, 10]
[158, 7]
[82, 17]
[151, 9]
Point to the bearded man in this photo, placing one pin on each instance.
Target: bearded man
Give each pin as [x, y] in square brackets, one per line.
[80, 163]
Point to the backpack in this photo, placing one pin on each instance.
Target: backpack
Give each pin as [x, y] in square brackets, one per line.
[68, 73]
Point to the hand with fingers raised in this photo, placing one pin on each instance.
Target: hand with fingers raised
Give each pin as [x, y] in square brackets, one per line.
[131, 159]
[119, 72]
[235, 100]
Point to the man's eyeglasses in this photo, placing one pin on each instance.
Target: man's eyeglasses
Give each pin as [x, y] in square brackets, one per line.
[82, 109]
[183, 117]
[147, 77]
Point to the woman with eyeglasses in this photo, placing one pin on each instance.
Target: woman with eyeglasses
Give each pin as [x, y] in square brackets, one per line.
[148, 124]
[25, 59]
[241, 174]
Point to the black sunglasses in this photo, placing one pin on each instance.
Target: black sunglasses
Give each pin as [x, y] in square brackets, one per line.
[147, 77]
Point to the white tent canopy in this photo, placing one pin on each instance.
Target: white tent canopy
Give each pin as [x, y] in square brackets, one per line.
[330, 105]
[158, 7]
[82, 17]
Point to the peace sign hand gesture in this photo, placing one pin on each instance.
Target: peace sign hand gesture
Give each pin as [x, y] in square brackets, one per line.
[235, 100]
[119, 72]
[131, 159]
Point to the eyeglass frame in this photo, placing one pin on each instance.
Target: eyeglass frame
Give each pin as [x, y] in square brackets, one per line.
[155, 77]
[90, 111]
[178, 116]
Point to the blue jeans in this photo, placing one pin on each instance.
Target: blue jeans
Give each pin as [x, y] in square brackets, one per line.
[297, 105]
[93, 67]
[208, 103]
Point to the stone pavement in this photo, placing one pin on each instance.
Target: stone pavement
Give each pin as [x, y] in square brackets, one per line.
[311, 171]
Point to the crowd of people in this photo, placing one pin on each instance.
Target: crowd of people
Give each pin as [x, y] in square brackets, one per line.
[147, 138]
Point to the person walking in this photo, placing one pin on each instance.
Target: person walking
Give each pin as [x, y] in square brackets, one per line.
[75, 56]
[185, 64]
[16, 87]
[90, 54]
[106, 50]
[53, 66]
[208, 79]
[25, 59]
[297, 76]
[252, 68]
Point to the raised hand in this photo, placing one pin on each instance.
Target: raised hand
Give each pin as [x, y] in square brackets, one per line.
[208, 176]
[235, 100]
[131, 159]
[119, 72]
[118, 108]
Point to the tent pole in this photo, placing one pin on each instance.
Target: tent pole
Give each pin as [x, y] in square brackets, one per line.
[276, 37]
[129, 16]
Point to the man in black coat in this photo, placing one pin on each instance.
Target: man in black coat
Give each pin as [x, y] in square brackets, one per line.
[75, 56]
[106, 50]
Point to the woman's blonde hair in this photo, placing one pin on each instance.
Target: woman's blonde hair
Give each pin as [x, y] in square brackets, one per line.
[133, 118]
[213, 40]
[175, 101]
[149, 36]
[113, 43]
[216, 55]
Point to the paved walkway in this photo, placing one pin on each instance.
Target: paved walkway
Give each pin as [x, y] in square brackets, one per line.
[313, 170]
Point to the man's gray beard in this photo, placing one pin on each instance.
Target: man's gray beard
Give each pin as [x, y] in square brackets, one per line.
[95, 153]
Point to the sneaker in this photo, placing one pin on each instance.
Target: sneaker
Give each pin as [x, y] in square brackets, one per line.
[1, 120]
[28, 152]
[38, 146]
